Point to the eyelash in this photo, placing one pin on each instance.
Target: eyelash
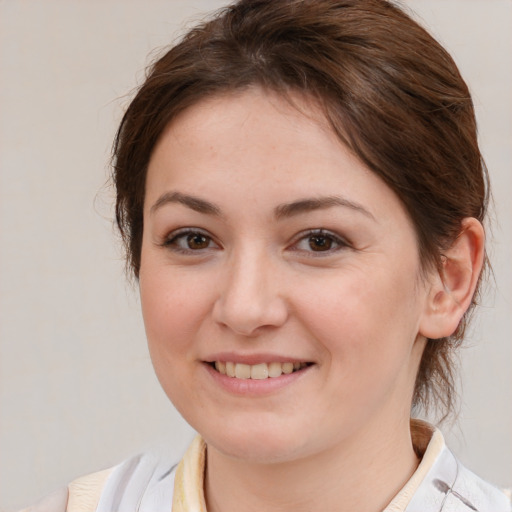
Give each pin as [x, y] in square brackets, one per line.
[307, 237]
[183, 234]
[172, 241]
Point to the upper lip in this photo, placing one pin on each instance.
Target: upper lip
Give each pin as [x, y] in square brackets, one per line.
[253, 359]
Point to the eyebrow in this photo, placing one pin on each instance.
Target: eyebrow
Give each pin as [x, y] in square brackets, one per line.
[320, 203]
[282, 211]
[192, 202]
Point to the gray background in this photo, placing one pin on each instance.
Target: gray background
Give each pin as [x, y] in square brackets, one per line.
[77, 391]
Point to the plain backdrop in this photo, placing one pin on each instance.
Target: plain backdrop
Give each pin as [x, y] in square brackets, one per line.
[77, 391]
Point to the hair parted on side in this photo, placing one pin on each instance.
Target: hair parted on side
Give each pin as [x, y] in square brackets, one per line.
[391, 93]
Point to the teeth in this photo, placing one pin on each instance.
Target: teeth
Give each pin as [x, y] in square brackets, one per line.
[274, 370]
[230, 369]
[257, 371]
[242, 371]
[220, 367]
[287, 368]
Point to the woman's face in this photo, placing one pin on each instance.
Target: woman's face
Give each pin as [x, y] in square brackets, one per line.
[267, 244]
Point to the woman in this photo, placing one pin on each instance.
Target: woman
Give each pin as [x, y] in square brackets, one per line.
[301, 195]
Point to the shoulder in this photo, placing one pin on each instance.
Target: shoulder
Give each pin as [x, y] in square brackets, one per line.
[84, 493]
[81, 495]
[451, 487]
[442, 483]
[144, 482]
[485, 496]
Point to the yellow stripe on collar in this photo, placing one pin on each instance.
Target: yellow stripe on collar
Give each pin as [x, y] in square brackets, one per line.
[189, 479]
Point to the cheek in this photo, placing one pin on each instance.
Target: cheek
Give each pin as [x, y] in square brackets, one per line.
[367, 321]
[173, 307]
[172, 313]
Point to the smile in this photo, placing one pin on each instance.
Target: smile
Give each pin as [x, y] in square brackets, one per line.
[259, 371]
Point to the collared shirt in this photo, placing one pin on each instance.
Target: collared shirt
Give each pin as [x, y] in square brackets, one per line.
[148, 483]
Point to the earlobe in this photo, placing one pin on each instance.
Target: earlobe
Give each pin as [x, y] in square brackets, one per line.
[453, 286]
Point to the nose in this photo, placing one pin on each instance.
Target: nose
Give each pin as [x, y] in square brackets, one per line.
[250, 299]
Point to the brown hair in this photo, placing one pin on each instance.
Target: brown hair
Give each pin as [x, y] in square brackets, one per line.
[391, 93]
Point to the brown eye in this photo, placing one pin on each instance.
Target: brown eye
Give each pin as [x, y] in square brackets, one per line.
[188, 241]
[197, 241]
[320, 243]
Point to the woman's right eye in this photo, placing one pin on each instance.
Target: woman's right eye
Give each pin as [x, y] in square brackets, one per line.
[189, 240]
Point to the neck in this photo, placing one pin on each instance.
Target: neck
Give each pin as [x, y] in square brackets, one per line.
[363, 473]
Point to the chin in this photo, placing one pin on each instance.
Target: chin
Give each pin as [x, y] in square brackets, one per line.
[256, 451]
[271, 445]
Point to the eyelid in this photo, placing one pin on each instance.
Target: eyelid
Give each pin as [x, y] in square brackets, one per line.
[169, 240]
[341, 242]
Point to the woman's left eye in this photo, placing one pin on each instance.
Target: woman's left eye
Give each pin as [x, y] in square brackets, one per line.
[319, 241]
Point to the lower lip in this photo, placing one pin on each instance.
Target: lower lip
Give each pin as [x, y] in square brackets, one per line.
[255, 387]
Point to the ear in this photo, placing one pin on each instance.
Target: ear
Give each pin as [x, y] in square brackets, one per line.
[451, 289]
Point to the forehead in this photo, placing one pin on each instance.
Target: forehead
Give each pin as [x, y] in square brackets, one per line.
[252, 125]
[268, 147]
[296, 116]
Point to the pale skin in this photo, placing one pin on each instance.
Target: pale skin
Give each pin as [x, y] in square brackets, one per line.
[266, 240]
